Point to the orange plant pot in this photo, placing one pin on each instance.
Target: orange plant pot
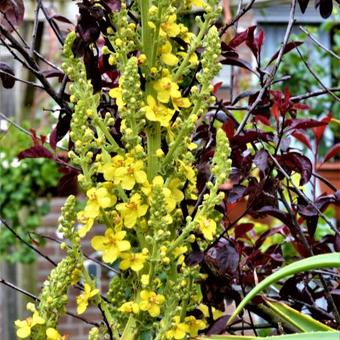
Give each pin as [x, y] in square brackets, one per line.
[330, 171]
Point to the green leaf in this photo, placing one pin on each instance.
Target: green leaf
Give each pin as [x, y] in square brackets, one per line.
[313, 262]
[301, 336]
[299, 320]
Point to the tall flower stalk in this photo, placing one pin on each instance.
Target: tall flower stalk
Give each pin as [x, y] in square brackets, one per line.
[142, 186]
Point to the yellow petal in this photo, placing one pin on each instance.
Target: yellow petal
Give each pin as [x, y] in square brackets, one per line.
[24, 332]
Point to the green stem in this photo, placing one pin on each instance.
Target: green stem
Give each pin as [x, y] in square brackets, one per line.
[175, 147]
[153, 261]
[107, 134]
[130, 331]
[154, 143]
[146, 33]
[194, 45]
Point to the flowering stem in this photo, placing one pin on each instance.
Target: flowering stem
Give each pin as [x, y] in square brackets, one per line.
[179, 139]
[194, 45]
[146, 34]
[154, 143]
[129, 331]
[107, 134]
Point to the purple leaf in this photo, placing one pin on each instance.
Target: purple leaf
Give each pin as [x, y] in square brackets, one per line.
[223, 259]
[303, 5]
[321, 203]
[242, 229]
[326, 8]
[303, 124]
[334, 150]
[290, 46]
[11, 13]
[113, 5]
[301, 137]
[261, 160]
[194, 258]
[219, 325]
[61, 18]
[36, 151]
[7, 81]
[241, 37]
[293, 161]
[53, 139]
[238, 62]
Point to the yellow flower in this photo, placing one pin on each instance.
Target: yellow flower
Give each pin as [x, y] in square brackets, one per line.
[25, 326]
[112, 244]
[151, 302]
[176, 193]
[207, 226]
[84, 297]
[197, 3]
[169, 200]
[145, 279]
[193, 59]
[53, 334]
[135, 261]
[157, 112]
[86, 222]
[188, 171]
[132, 210]
[109, 168]
[117, 94]
[181, 102]
[129, 307]
[130, 173]
[166, 89]
[98, 198]
[178, 329]
[167, 57]
[169, 28]
[205, 310]
[194, 325]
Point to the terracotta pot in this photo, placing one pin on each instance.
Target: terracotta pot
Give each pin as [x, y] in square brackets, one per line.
[330, 171]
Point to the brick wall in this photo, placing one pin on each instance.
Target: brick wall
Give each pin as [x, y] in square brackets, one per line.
[74, 328]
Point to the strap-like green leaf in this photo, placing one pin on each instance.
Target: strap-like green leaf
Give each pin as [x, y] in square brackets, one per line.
[314, 262]
[299, 320]
[300, 336]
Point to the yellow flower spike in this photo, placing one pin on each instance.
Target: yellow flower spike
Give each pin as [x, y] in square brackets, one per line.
[135, 261]
[53, 334]
[151, 302]
[178, 329]
[130, 173]
[169, 28]
[166, 89]
[194, 325]
[111, 244]
[157, 112]
[132, 210]
[25, 326]
[129, 307]
[117, 94]
[207, 226]
[83, 299]
[167, 57]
